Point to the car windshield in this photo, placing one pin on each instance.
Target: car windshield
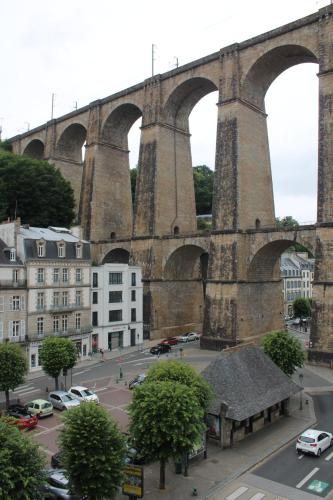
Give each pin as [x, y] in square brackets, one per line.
[86, 392]
[306, 439]
[67, 397]
[46, 405]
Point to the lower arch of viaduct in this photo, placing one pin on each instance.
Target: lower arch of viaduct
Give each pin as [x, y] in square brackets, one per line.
[228, 280]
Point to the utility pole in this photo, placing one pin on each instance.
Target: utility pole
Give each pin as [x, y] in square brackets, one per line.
[75, 105]
[153, 46]
[52, 106]
[177, 62]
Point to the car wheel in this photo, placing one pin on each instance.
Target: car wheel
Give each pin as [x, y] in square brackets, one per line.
[331, 443]
[298, 452]
[319, 452]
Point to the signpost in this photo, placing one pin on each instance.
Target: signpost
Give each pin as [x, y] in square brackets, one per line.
[133, 485]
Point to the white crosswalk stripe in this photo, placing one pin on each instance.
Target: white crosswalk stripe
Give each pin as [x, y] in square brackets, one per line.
[237, 493]
[22, 389]
[258, 496]
[329, 457]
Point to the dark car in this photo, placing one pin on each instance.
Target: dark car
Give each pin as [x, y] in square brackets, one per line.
[56, 462]
[138, 380]
[160, 349]
[24, 419]
[170, 341]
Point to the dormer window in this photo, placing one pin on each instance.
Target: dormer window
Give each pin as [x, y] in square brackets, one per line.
[41, 248]
[12, 255]
[61, 250]
[78, 251]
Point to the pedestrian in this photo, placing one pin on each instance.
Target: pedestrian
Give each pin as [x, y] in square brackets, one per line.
[102, 354]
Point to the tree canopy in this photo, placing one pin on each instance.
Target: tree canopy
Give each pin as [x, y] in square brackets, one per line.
[92, 451]
[302, 307]
[203, 187]
[287, 222]
[56, 354]
[13, 367]
[284, 350]
[21, 465]
[178, 371]
[166, 421]
[35, 191]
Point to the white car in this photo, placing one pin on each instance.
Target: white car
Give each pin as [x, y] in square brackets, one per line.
[314, 441]
[188, 337]
[83, 394]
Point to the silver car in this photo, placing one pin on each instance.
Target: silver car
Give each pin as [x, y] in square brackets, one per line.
[83, 394]
[62, 400]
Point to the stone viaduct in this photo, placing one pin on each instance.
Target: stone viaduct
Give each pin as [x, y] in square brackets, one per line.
[227, 280]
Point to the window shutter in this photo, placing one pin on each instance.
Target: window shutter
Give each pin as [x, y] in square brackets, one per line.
[10, 303]
[2, 303]
[1, 329]
[22, 303]
[22, 327]
[10, 328]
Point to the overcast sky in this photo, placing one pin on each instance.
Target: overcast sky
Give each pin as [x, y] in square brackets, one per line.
[82, 51]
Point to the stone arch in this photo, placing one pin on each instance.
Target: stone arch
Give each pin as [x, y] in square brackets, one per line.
[186, 263]
[182, 100]
[35, 149]
[269, 66]
[117, 125]
[70, 143]
[117, 256]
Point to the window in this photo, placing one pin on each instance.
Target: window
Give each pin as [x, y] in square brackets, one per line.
[14, 303]
[95, 318]
[12, 255]
[33, 360]
[133, 295]
[78, 297]
[116, 315]
[1, 330]
[41, 249]
[56, 299]
[14, 328]
[95, 280]
[115, 278]
[15, 275]
[116, 296]
[78, 321]
[40, 326]
[61, 250]
[40, 300]
[78, 275]
[95, 298]
[65, 298]
[78, 251]
[64, 322]
[2, 304]
[40, 275]
[133, 314]
[56, 275]
[65, 275]
[133, 279]
[56, 324]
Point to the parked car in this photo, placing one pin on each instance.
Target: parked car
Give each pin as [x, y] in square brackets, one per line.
[160, 349]
[188, 337]
[296, 321]
[170, 341]
[62, 400]
[83, 394]
[56, 462]
[138, 380]
[40, 407]
[314, 441]
[24, 419]
[57, 485]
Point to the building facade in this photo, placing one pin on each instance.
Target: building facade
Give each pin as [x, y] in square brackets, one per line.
[116, 306]
[52, 269]
[297, 271]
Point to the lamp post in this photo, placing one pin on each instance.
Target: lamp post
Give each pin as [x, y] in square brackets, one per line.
[300, 376]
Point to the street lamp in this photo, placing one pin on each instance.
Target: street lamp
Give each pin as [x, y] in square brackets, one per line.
[300, 376]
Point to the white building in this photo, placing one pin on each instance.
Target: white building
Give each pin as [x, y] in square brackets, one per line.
[53, 267]
[297, 271]
[116, 306]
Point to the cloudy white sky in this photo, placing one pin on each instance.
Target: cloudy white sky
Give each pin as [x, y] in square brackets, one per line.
[82, 51]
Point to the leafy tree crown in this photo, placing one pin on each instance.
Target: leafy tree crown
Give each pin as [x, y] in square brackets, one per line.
[284, 350]
[56, 354]
[13, 366]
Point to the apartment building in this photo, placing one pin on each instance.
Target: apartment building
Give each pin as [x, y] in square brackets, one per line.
[297, 271]
[52, 269]
[116, 306]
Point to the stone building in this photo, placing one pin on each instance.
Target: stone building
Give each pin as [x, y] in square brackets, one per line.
[250, 392]
[55, 266]
[116, 306]
[297, 271]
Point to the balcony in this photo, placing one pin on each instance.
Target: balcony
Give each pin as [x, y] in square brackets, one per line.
[35, 336]
[18, 338]
[54, 308]
[13, 284]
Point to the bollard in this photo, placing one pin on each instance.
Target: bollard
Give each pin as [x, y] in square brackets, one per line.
[120, 373]
[194, 492]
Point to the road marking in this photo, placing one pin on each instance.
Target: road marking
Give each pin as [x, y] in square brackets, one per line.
[258, 496]
[23, 388]
[83, 371]
[300, 457]
[101, 389]
[306, 479]
[23, 393]
[329, 457]
[237, 493]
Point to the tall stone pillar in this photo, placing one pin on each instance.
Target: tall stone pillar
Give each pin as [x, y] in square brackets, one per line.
[322, 317]
[106, 204]
[165, 201]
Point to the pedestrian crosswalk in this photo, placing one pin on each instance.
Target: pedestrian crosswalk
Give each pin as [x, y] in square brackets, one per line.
[26, 389]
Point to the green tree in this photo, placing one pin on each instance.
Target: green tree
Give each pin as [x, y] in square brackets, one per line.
[166, 421]
[13, 368]
[21, 465]
[35, 191]
[6, 145]
[203, 225]
[284, 350]
[302, 307]
[287, 222]
[56, 354]
[134, 174]
[92, 450]
[203, 187]
[177, 371]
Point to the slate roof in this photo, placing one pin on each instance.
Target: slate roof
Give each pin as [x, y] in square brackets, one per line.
[4, 256]
[247, 382]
